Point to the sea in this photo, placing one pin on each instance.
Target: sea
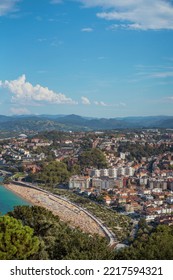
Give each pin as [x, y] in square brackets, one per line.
[9, 199]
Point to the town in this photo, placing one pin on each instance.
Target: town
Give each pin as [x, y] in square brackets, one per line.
[129, 171]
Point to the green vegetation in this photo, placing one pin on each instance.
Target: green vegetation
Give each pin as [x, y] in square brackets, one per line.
[119, 224]
[17, 241]
[61, 241]
[53, 135]
[35, 233]
[50, 156]
[54, 173]
[18, 175]
[138, 151]
[150, 244]
[93, 158]
[7, 180]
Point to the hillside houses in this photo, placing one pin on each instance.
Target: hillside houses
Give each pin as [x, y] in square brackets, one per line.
[138, 177]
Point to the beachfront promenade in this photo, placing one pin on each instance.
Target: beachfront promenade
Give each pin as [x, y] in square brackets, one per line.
[66, 210]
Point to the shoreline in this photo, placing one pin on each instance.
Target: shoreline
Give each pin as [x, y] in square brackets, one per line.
[66, 212]
[18, 194]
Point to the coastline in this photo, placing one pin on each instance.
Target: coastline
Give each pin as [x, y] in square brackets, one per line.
[11, 189]
[67, 212]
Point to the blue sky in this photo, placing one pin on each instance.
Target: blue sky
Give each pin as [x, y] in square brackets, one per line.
[100, 58]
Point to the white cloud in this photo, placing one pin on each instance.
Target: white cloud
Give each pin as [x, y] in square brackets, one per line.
[103, 103]
[154, 71]
[24, 91]
[56, 42]
[85, 100]
[137, 15]
[100, 103]
[7, 6]
[87, 29]
[20, 111]
[162, 75]
[168, 99]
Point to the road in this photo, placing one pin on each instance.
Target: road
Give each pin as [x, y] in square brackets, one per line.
[108, 233]
[4, 173]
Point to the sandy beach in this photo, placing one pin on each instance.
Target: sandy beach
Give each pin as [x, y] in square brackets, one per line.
[66, 211]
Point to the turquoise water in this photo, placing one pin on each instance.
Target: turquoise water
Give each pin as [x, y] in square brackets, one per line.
[8, 200]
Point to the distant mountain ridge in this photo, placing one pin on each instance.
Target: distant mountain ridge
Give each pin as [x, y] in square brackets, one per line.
[76, 123]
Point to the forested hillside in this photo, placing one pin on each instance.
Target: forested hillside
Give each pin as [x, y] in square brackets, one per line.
[35, 233]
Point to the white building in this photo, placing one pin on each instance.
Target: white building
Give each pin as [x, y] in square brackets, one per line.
[112, 172]
[104, 172]
[169, 200]
[95, 172]
[122, 155]
[143, 181]
[79, 182]
[103, 184]
[121, 171]
[129, 171]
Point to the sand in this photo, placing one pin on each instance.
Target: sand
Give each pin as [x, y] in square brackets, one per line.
[65, 210]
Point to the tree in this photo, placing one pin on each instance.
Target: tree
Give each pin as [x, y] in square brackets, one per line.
[35, 217]
[45, 225]
[7, 180]
[17, 242]
[82, 247]
[76, 169]
[54, 173]
[100, 198]
[73, 168]
[62, 241]
[93, 158]
[154, 245]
